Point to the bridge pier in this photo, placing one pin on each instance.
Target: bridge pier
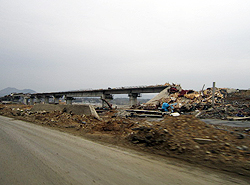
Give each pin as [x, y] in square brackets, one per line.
[32, 98]
[105, 99]
[38, 99]
[69, 100]
[26, 100]
[46, 99]
[133, 99]
[56, 98]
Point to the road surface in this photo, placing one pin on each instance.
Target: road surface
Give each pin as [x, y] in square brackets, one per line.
[227, 122]
[32, 154]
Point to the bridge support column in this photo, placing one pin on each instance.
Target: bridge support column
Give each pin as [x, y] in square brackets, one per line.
[46, 99]
[133, 99]
[56, 98]
[69, 100]
[105, 99]
[38, 99]
[32, 100]
[26, 100]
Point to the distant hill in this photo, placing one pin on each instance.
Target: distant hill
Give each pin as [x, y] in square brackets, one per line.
[10, 90]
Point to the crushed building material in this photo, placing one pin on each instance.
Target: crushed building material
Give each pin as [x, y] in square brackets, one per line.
[228, 102]
[186, 99]
[238, 118]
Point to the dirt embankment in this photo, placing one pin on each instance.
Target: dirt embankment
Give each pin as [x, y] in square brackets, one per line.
[184, 137]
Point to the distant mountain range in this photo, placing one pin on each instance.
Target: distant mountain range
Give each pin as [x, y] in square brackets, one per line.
[10, 90]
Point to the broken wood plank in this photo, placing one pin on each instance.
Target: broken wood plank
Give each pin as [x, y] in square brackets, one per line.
[238, 118]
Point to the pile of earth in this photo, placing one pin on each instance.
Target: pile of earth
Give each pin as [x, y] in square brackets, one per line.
[184, 137]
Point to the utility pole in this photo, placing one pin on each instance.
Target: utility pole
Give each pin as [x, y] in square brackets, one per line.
[213, 94]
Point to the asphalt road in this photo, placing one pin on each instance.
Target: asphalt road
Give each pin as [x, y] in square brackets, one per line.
[32, 154]
[227, 122]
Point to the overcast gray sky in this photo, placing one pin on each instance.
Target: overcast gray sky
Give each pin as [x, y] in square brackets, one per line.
[62, 45]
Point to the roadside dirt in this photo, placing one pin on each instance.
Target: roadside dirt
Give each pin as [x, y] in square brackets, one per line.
[184, 137]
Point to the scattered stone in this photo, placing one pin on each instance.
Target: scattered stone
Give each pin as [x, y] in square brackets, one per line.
[244, 147]
[165, 130]
[227, 144]
[241, 136]
[240, 148]
[196, 147]
[247, 130]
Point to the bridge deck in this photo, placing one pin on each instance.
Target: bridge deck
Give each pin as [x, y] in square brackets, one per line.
[100, 92]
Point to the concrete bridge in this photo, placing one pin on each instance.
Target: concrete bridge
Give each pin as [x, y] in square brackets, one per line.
[107, 94]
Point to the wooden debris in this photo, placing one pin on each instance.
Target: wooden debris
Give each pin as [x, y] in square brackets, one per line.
[203, 141]
[238, 118]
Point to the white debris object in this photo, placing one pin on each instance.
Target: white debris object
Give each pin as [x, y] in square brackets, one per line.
[175, 114]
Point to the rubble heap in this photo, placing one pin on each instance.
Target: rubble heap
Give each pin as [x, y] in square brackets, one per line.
[186, 100]
[200, 102]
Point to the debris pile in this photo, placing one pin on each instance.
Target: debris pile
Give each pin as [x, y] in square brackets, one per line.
[186, 100]
[229, 112]
[235, 106]
[227, 102]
